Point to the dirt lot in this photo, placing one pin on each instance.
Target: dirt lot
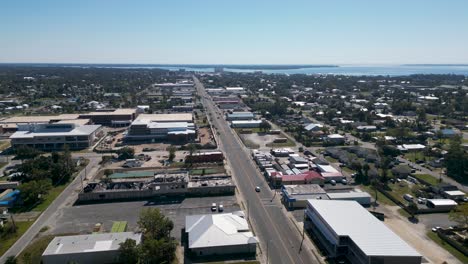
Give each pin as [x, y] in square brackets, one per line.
[415, 235]
[205, 136]
[259, 139]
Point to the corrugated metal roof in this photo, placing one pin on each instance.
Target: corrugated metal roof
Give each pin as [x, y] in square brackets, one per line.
[349, 218]
[218, 230]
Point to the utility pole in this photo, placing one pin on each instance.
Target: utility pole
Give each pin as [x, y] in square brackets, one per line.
[268, 242]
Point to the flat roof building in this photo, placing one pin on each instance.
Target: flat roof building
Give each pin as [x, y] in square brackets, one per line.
[362, 198]
[296, 196]
[219, 234]
[94, 248]
[116, 118]
[346, 229]
[55, 136]
[246, 123]
[174, 127]
[240, 116]
[178, 117]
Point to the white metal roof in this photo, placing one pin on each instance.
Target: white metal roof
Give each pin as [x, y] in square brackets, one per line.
[457, 192]
[349, 218]
[218, 230]
[326, 168]
[441, 202]
[89, 243]
[348, 195]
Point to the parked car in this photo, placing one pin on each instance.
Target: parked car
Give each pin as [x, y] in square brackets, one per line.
[257, 189]
[220, 208]
[213, 207]
[408, 197]
[333, 182]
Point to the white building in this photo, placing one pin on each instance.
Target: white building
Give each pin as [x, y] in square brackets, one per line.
[94, 248]
[149, 127]
[246, 123]
[55, 136]
[411, 147]
[335, 139]
[219, 234]
[346, 229]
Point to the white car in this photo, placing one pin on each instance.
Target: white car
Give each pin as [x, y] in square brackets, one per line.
[213, 207]
[257, 189]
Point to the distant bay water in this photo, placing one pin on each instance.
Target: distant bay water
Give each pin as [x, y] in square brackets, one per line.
[353, 70]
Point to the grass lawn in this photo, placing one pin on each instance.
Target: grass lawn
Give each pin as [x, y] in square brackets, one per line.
[403, 213]
[414, 156]
[288, 143]
[3, 164]
[50, 197]
[348, 170]
[459, 255]
[4, 144]
[399, 189]
[381, 198]
[330, 159]
[426, 177]
[9, 240]
[207, 171]
[32, 254]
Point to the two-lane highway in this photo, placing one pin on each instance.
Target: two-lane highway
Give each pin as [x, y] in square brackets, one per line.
[280, 240]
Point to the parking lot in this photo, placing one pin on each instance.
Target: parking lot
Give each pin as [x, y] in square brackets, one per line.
[82, 218]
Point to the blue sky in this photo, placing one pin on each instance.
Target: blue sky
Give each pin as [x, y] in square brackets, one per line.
[234, 32]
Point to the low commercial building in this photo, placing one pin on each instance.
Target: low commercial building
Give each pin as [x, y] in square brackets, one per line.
[441, 205]
[240, 116]
[308, 177]
[207, 156]
[296, 196]
[329, 173]
[94, 248]
[115, 117]
[362, 198]
[55, 136]
[411, 147]
[219, 234]
[346, 229]
[335, 139]
[246, 123]
[454, 195]
[174, 127]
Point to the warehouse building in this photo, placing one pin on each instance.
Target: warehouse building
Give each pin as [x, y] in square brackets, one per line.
[441, 205]
[346, 229]
[55, 136]
[94, 248]
[115, 118]
[173, 127]
[240, 116]
[362, 198]
[246, 123]
[219, 234]
[296, 196]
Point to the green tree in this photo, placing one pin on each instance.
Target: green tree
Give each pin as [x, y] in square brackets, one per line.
[11, 260]
[25, 152]
[154, 224]
[412, 209]
[33, 191]
[126, 153]
[158, 250]
[460, 214]
[128, 252]
[456, 160]
[172, 151]
[265, 126]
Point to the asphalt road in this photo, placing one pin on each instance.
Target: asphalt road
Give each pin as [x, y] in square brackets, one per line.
[41, 221]
[280, 240]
